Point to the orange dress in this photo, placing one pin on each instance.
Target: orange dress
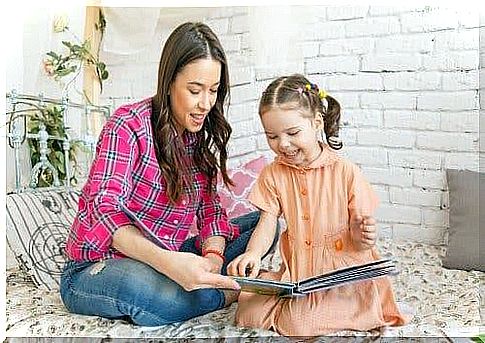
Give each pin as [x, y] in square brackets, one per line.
[317, 202]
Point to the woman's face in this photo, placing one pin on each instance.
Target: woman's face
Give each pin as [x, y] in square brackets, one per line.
[193, 93]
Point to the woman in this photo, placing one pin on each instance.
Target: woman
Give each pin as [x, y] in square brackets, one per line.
[130, 255]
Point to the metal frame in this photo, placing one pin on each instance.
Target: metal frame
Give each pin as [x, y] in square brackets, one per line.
[17, 134]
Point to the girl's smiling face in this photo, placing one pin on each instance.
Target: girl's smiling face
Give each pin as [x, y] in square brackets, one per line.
[293, 134]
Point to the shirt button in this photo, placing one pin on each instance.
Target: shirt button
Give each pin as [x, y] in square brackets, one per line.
[307, 242]
[303, 192]
[166, 237]
[184, 202]
[175, 221]
[339, 244]
[302, 172]
[305, 217]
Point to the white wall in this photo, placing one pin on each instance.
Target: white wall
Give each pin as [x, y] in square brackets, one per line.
[407, 78]
[482, 91]
[30, 37]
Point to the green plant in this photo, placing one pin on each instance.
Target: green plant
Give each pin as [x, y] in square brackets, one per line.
[79, 53]
[58, 66]
[479, 339]
[52, 118]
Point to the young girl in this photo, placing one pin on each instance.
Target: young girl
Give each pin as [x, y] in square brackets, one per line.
[328, 207]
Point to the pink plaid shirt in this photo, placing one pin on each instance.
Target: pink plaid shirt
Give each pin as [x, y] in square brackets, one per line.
[126, 171]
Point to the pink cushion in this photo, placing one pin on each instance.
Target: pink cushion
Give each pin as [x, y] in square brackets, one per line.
[234, 199]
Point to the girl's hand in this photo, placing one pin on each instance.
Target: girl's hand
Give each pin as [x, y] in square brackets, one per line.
[247, 264]
[194, 272]
[363, 232]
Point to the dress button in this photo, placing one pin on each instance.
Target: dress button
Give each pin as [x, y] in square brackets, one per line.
[184, 202]
[166, 237]
[305, 217]
[175, 221]
[303, 192]
[307, 242]
[302, 172]
[339, 244]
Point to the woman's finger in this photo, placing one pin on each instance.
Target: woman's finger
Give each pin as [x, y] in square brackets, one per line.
[212, 280]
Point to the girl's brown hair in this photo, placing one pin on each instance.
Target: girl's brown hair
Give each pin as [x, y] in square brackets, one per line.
[296, 92]
[187, 43]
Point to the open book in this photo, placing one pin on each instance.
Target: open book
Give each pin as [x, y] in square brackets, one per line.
[339, 277]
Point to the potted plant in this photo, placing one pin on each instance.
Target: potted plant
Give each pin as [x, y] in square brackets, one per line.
[58, 66]
[52, 119]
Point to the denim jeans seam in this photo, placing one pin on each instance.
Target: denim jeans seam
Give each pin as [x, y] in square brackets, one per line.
[222, 303]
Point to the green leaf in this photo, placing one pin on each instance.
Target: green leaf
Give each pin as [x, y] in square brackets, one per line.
[76, 48]
[53, 55]
[60, 156]
[64, 72]
[479, 339]
[102, 21]
[104, 75]
[87, 45]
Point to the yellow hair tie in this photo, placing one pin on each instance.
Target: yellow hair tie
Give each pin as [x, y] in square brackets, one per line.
[308, 86]
[322, 94]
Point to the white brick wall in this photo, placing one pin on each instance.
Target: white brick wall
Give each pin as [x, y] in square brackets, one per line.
[408, 82]
[482, 90]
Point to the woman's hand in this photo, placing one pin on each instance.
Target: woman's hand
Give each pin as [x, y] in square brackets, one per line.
[216, 262]
[188, 270]
[363, 232]
[247, 264]
[216, 244]
[194, 272]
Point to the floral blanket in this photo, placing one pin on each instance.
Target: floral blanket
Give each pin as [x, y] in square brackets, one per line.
[445, 303]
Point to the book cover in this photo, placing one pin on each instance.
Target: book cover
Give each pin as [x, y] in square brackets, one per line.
[339, 277]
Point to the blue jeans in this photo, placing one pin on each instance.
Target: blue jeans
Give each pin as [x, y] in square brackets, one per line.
[131, 290]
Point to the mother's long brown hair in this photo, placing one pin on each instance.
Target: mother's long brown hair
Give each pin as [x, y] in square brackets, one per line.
[187, 43]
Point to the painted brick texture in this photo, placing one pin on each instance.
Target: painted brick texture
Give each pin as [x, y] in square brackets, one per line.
[408, 80]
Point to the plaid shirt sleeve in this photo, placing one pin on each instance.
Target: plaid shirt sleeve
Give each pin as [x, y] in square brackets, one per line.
[110, 180]
[213, 219]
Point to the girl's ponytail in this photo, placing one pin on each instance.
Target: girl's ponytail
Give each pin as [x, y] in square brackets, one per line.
[332, 123]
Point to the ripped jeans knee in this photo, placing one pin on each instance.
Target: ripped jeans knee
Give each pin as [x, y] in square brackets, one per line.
[131, 290]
